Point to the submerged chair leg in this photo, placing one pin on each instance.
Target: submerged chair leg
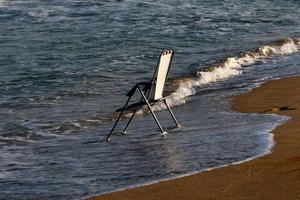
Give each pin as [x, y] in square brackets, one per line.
[131, 118]
[173, 116]
[113, 128]
[127, 125]
[154, 116]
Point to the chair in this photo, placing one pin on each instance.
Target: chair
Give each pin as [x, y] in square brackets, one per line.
[148, 95]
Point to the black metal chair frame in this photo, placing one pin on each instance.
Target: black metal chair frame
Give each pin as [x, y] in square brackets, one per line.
[145, 89]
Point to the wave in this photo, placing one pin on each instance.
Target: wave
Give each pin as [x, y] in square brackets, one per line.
[184, 87]
[229, 67]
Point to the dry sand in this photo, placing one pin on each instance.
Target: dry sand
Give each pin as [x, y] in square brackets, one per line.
[274, 176]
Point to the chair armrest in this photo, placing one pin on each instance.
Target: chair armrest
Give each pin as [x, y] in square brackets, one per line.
[132, 91]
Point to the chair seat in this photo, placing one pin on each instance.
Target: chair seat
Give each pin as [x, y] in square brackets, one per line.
[136, 106]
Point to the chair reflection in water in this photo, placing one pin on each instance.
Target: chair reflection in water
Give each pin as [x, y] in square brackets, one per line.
[151, 92]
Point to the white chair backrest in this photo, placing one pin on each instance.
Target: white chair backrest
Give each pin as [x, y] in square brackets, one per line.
[162, 72]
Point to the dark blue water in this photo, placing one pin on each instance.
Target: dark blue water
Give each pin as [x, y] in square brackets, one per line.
[66, 65]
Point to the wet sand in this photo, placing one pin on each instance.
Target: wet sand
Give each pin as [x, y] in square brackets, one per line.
[274, 176]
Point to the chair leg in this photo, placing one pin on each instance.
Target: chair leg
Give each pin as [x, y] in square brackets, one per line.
[154, 116]
[114, 126]
[127, 125]
[131, 118]
[173, 116]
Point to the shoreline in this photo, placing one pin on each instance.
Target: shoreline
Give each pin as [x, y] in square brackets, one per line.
[274, 175]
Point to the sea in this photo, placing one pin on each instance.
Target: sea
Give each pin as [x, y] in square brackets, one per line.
[66, 66]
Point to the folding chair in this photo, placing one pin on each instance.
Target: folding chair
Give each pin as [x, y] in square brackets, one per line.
[148, 95]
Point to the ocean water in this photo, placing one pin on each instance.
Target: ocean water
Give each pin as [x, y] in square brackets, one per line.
[65, 66]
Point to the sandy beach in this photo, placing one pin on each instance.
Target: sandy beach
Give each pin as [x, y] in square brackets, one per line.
[274, 176]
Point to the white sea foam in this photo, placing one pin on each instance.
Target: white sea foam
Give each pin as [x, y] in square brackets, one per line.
[18, 138]
[38, 13]
[78, 125]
